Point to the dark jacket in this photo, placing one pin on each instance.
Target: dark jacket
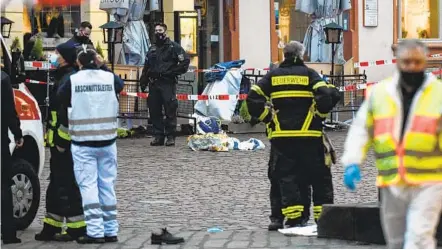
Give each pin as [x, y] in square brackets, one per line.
[10, 119]
[76, 41]
[164, 62]
[60, 76]
[64, 95]
[301, 97]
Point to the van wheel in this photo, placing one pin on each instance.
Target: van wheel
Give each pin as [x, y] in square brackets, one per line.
[25, 189]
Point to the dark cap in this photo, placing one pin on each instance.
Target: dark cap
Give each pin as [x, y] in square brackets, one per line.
[67, 51]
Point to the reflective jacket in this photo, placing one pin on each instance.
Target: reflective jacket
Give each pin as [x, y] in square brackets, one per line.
[300, 96]
[414, 157]
[91, 98]
[52, 124]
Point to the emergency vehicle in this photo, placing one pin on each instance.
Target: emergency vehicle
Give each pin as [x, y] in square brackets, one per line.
[28, 161]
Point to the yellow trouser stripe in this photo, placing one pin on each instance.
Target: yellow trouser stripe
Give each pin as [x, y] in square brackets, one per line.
[296, 133]
[63, 133]
[291, 209]
[259, 91]
[53, 222]
[293, 215]
[78, 224]
[53, 121]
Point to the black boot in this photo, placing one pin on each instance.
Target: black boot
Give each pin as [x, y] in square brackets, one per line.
[11, 240]
[110, 239]
[296, 222]
[166, 238]
[170, 141]
[90, 240]
[48, 233]
[63, 237]
[275, 224]
[158, 141]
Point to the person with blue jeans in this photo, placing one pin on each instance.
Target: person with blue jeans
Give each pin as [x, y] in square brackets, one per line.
[90, 96]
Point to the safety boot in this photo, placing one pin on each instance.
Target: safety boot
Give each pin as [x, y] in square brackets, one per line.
[165, 237]
[48, 233]
[158, 141]
[296, 223]
[11, 240]
[170, 141]
[110, 239]
[63, 237]
[275, 224]
[86, 239]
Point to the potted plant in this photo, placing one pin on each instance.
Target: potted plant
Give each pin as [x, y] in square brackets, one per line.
[37, 50]
[16, 46]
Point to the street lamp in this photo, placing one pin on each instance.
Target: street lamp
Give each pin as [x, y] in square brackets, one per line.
[333, 35]
[6, 31]
[112, 34]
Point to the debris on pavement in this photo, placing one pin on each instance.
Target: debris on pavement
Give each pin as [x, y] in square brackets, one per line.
[311, 230]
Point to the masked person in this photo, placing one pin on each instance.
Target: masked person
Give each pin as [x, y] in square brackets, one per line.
[10, 121]
[291, 100]
[401, 117]
[90, 96]
[165, 61]
[63, 198]
[81, 35]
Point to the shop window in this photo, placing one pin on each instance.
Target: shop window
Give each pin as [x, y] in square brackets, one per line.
[420, 19]
[59, 21]
[291, 25]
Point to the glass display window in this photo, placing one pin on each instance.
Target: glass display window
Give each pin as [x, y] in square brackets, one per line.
[188, 29]
[420, 19]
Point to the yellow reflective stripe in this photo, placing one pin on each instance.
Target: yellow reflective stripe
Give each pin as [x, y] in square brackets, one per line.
[296, 133]
[53, 222]
[53, 121]
[290, 93]
[290, 80]
[259, 91]
[50, 137]
[63, 133]
[308, 120]
[276, 122]
[264, 114]
[93, 121]
[331, 86]
[293, 215]
[269, 131]
[291, 209]
[322, 115]
[320, 84]
[78, 224]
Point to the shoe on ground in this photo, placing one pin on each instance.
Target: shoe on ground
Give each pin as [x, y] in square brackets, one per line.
[170, 141]
[11, 240]
[298, 223]
[157, 142]
[90, 240]
[166, 238]
[275, 224]
[110, 239]
[44, 236]
[63, 237]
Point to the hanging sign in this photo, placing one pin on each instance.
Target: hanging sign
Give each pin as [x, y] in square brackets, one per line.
[370, 13]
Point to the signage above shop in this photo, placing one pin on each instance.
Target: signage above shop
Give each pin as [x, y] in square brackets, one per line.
[370, 13]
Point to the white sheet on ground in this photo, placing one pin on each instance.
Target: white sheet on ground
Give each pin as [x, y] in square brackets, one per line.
[300, 231]
[222, 109]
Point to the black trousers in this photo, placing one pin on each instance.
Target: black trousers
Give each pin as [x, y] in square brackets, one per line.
[275, 194]
[8, 228]
[301, 165]
[63, 197]
[162, 94]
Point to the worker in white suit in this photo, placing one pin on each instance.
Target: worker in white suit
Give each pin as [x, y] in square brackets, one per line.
[402, 118]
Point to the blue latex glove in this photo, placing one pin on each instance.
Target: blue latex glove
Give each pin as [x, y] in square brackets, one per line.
[352, 175]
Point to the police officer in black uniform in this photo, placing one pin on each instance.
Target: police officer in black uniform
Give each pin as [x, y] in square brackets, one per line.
[165, 61]
[292, 99]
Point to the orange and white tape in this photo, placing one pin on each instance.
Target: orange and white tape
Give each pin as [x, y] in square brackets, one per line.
[34, 81]
[367, 64]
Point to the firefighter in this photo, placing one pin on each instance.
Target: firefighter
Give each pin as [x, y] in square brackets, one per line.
[10, 121]
[165, 61]
[401, 117]
[63, 198]
[300, 98]
[91, 97]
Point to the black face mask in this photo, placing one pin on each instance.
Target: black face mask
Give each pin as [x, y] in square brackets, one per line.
[160, 37]
[413, 79]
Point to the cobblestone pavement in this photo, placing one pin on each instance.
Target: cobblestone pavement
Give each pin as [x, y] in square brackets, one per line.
[190, 192]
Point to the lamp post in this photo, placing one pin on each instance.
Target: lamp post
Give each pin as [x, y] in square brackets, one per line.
[112, 34]
[6, 31]
[333, 35]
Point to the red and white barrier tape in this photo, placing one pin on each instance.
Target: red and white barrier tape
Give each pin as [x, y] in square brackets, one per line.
[384, 62]
[186, 97]
[39, 65]
[34, 81]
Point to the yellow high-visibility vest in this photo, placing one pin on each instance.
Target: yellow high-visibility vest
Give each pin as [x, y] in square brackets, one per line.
[417, 158]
